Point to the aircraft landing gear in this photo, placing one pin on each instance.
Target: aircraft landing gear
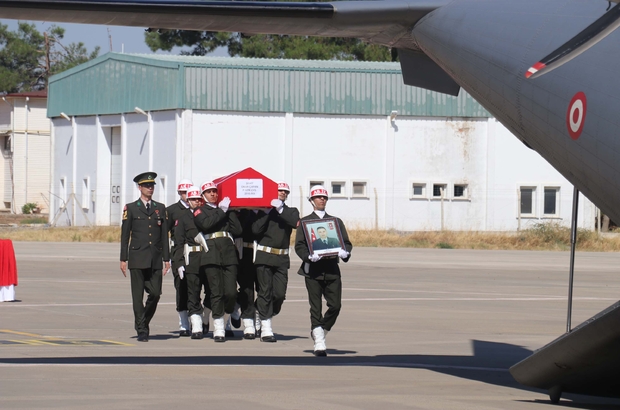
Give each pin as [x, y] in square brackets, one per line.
[555, 393]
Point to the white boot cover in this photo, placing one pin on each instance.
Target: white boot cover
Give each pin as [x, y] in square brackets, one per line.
[318, 335]
[196, 324]
[248, 327]
[219, 330]
[265, 326]
[184, 320]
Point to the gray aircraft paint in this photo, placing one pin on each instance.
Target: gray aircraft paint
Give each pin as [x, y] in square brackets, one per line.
[487, 53]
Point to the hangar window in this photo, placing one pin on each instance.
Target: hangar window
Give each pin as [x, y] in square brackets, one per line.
[359, 189]
[439, 190]
[63, 190]
[86, 193]
[461, 191]
[339, 189]
[162, 189]
[7, 142]
[551, 201]
[418, 190]
[527, 201]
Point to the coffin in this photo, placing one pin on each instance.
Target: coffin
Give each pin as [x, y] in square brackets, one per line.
[247, 188]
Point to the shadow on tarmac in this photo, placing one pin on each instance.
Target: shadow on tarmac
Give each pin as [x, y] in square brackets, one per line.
[238, 336]
[488, 364]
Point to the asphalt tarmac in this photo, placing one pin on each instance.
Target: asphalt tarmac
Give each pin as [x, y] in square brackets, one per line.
[419, 329]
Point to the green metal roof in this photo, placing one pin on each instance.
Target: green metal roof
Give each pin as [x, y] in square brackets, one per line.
[117, 83]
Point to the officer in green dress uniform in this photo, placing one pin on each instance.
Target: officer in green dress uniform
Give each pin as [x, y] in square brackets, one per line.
[322, 274]
[144, 249]
[273, 235]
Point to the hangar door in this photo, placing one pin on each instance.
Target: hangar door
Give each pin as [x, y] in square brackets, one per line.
[115, 177]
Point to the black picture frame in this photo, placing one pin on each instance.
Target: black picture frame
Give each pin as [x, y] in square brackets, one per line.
[333, 236]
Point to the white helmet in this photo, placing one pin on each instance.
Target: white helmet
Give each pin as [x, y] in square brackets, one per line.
[283, 186]
[193, 192]
[318, 190]
[207, 185]
[184, 185]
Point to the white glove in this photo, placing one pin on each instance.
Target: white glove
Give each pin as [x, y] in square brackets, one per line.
[343, 254]
[314, 257]
[224, 204]
[279, 205]
[181, 271]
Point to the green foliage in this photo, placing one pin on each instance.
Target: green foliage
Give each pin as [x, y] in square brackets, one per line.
[27, 208]
[444, 245]
[35, 220]
[28, 57]
[554, 233]
[269, 46]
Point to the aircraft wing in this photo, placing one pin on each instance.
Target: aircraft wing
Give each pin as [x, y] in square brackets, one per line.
[386, 22]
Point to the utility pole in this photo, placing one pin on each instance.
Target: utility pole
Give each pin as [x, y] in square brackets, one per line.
[47, 56]
[110, 37]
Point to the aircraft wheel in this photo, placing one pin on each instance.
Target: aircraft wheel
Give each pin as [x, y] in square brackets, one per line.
[555, 393]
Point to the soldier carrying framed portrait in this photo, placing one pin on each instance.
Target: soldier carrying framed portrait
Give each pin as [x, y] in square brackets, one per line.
[323, 236]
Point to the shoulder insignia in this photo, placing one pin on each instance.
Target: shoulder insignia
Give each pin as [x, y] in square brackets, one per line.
[176, 222]
[125, 214]
[298, 222]
[197, 212]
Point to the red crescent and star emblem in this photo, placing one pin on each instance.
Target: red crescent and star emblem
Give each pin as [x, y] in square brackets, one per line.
[576, 115]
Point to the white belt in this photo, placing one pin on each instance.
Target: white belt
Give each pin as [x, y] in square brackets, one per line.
[274, 251]
[220, 234]
[194, 248]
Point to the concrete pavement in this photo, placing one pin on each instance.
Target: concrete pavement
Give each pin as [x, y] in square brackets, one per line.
[419, 329]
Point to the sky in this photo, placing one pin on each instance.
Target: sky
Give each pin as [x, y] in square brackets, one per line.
[129, 39]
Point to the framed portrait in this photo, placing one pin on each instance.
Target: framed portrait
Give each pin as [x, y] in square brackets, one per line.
[323, 236]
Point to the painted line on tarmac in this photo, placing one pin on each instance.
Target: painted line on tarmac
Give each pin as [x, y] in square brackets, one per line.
[64, 342]
[442, 292]
[454, 299]
[15, 332]
[42, 340]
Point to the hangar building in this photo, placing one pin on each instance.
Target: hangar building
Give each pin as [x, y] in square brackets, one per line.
[392, 156]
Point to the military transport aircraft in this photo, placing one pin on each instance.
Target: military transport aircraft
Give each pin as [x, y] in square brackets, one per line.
[548, 70]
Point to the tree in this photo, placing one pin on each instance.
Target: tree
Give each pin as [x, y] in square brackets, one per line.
[269, 46]
[28, 58]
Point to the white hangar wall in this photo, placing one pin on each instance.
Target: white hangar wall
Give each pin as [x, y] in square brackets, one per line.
[25, 148]
[380, 172]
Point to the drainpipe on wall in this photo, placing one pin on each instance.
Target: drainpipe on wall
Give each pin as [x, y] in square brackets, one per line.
[13, 211]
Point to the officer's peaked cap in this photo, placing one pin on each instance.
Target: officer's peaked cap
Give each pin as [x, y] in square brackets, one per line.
[145, 178]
